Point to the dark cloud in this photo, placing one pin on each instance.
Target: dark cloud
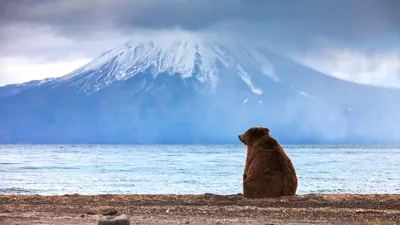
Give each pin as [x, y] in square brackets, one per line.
[339, 18]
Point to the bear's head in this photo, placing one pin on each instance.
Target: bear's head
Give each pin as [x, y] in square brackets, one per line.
[253, 134]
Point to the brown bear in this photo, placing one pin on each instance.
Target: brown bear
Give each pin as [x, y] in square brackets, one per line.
[268, 171]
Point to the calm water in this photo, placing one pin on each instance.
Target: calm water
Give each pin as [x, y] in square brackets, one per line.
[99, 169]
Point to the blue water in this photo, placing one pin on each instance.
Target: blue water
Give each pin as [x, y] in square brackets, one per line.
[187, 169]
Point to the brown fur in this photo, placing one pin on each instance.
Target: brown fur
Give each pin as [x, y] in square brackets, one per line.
[268, 171]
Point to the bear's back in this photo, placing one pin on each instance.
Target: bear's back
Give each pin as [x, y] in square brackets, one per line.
[269, 155]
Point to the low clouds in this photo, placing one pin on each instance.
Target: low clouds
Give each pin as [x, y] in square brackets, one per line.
[62, 31]
[379, 68]
[36, 70]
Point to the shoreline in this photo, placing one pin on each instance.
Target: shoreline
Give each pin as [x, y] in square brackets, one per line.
[202, 209]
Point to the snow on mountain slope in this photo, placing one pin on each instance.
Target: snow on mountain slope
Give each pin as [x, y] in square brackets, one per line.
[183, 57]
[12, 89]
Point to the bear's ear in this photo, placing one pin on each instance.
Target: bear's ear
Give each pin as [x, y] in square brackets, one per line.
[254, 133]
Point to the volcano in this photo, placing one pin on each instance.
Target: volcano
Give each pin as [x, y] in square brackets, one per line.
[192, 91]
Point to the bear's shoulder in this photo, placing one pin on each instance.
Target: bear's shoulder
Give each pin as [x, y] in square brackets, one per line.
[268, 142]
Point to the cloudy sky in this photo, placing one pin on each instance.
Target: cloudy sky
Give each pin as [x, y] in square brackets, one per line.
[357, 40]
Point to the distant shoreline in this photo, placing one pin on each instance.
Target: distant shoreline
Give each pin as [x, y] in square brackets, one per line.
[204, 208]
[216, 144]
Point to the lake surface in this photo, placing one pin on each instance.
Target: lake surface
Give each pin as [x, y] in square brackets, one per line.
[187, 169]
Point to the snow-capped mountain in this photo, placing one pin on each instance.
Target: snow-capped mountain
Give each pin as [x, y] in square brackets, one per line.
[191, 90]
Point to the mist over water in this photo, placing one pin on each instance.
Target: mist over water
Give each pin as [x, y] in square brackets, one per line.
[187, 169]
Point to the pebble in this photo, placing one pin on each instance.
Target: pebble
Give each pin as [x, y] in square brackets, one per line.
[104, 210]
[114, 220]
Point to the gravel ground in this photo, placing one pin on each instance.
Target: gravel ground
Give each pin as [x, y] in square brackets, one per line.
[202, 209]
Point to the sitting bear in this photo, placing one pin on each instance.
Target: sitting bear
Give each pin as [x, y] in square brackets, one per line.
[268, 171]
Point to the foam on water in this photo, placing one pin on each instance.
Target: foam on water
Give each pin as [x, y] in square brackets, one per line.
[187, 169]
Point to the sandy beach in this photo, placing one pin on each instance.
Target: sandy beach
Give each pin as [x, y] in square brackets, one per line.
[201, 209]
